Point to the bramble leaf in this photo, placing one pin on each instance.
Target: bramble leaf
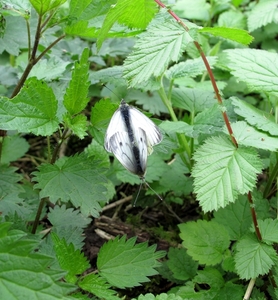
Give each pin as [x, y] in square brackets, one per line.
[222, 172]
[269, 229]
[77, 179]
[163, 42]
[125, 264]
[32, 110]
[210, 248]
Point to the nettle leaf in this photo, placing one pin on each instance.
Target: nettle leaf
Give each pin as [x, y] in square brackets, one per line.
[249, 136]
[190, 68]
[32, 110]
[59, 216]
[75, 99]
[25, 274]
[9, 181]
[234, 34]
[253, 258]
[132, 14]
[222, 172]
[71, 260]
[96, 285]
[269, 229]
[78, 124]
[43, 6]
[77, 179]
[181, 264]
[210, 248]
[256, 68]
[254, 116]
[264, 12]
[125, 264]
[164, 41]
[13, 147]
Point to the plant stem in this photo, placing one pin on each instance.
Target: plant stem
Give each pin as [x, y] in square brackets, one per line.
[37, 219]
[249, 289]
[254, 216]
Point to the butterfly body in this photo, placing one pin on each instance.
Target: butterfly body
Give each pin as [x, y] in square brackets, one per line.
[130, 137]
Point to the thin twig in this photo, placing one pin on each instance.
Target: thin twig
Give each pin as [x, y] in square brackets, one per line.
[249, 289]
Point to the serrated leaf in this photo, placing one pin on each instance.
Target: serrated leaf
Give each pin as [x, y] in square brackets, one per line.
[269, 229]
[210, 248]
[129, 13]
[75, 99]
[113, 75]
[77, 179]
[13, 147]
[97, 286]
[233, 19]
[234, 34]
[249, 136]
[70, 260]
[78, 124]
[257, 68]
[253, 258]
[222, 172]
[8, 181]
[163, 42]
[25, 274]
[125, 264]
[32, 110]
[43, 6]
[254, 116]
[59, 216]
[189, 68]
[264, 12]
[210, 276]
[181, 264]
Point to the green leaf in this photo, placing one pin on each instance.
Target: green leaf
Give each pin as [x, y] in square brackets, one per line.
[32, 110]
[8, 180]
[25, 274]
[13, 147]
[181, 264]
[234, 34]
[233, 19]
[210, 248]
[59, 216]
[194, 10]
[269, 229]
[253, 258]
[129, 13]
[189, 68]
[163, 42]
[264, 12]
[222, 172]
[97, 286]
[249, 136]
[124, 264]
[210, 276]
[77, 179]
[75, 99]
[162, 296]
[77, 124]
[43, 6]
[255, 68]
[70, 260]
[254, 116]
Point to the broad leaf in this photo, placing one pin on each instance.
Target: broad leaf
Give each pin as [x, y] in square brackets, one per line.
[25, 274]
[32, 110]
[264, 12]
[13, 147]
[222, 172]
[77, 179]
[254, 116]
[163, 42]
[233, 34]
[75, 99]
[257, 68]
[125, 264]
[70, 260]
[210, 248]
[43, 6]
[77, 124]
[253, 258]
[97, 286]
[8, 181]
[269, 229]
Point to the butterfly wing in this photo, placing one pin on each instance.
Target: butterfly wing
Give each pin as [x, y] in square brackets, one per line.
[139, 120]
[132, 155]
[116, 125]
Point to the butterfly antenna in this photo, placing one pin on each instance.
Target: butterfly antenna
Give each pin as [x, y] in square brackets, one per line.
[140, 187]
[103, 84]
[153, 190]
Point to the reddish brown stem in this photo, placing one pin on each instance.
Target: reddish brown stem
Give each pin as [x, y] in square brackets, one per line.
[254, 216]
[210, 73]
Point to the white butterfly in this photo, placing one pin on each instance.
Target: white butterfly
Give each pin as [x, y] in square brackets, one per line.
[130, 136]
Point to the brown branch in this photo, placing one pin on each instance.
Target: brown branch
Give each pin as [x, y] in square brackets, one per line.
[254, 216]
